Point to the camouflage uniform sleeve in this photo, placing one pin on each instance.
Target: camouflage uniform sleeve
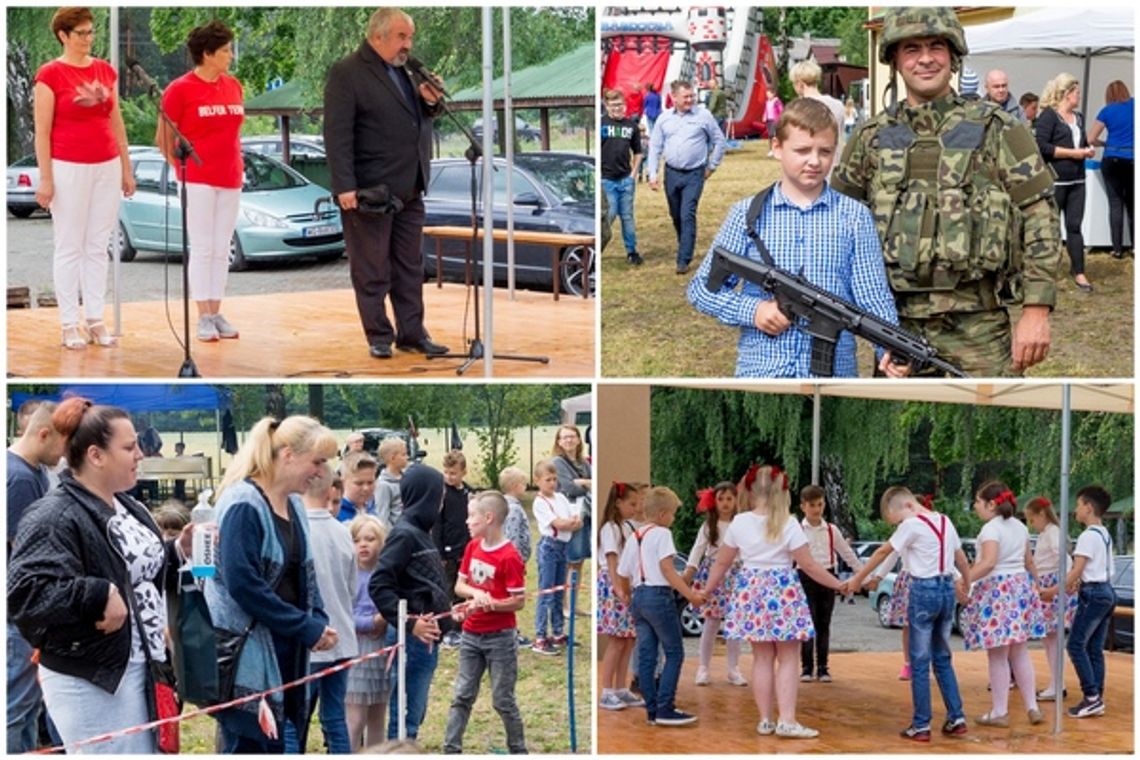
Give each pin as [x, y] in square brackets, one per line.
[851, 174]
[1029, 182]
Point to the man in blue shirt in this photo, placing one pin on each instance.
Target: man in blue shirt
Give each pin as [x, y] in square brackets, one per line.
[29, 458]
[810, 229]
[692, 145]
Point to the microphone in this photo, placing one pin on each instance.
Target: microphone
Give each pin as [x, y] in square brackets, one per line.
[414, 66]
[144, 78]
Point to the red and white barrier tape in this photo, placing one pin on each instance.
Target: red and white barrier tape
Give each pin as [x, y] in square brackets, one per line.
[265, 715]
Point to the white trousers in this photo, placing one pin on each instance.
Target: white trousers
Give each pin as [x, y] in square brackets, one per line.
[84, 213]
[211, 215]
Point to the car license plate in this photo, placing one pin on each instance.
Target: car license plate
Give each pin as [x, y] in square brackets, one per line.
[324, 229]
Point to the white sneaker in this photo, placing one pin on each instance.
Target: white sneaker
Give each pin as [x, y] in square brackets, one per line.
[629, 699]
[736, 678]
[795, 731]
[207, 330]
[225, 329]
[702, 678]
[765, 728]
[611, 701]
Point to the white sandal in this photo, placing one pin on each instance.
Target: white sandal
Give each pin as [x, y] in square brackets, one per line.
[97, 334]
[72, 339]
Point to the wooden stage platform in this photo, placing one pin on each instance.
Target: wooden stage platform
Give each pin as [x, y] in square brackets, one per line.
[311, 335]
[863, 710]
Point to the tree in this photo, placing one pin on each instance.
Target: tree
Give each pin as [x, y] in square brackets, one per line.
[503, 408]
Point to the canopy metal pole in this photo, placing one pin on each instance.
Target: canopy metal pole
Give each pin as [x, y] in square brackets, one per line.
[509, 131]
[1062, 569]
[488, 198]
[114, 241]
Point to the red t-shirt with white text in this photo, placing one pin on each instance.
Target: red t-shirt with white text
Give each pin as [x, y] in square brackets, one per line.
[81, 121]
[498, 570]
[209, 115]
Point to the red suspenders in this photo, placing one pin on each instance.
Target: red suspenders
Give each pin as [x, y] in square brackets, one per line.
[941, 536]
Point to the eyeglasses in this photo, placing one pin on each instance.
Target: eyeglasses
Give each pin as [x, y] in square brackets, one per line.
[84, 33]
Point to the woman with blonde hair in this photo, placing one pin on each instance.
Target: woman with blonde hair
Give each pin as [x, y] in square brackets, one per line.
[769, 608]
[1063, 144]
[264, 590]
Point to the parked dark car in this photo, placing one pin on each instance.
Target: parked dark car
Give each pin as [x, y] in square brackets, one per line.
[523, 129]
[553, 192]
[1124, 584]
[278, 216]
[373, 437]
[691, 621]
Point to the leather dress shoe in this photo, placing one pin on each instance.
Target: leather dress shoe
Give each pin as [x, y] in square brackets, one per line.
[423, 346]
[380, 351]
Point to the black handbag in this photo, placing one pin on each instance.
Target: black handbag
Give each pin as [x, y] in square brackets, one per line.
[195, 657]
[228, 646]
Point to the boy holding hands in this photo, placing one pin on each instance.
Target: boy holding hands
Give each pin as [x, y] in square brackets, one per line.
[930, 547]
[1092, 571]
[492, 577]
[811, 229]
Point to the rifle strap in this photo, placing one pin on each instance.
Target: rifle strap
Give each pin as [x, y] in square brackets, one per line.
[755, 209]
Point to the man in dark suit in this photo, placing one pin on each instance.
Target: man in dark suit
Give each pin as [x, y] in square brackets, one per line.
[378, 131]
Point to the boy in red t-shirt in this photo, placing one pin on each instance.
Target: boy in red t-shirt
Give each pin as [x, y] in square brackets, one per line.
[492, 576]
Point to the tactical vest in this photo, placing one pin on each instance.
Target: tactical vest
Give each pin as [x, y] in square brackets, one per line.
[951, 233]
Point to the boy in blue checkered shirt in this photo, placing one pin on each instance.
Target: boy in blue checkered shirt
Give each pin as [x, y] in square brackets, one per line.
[808, 228]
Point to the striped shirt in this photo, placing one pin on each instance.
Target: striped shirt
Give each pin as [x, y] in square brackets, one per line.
[833, 243]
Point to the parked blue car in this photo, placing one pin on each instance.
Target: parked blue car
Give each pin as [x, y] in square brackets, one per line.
[880, 598]
[281, 214]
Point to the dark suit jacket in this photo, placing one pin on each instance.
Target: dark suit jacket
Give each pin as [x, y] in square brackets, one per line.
[1052, 132]
[372, 134]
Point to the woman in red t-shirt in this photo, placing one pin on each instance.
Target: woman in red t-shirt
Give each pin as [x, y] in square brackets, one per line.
[81, 152]
[206, 106]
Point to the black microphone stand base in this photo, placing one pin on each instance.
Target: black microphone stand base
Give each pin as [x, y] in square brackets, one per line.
[188, 369]
[475, 353]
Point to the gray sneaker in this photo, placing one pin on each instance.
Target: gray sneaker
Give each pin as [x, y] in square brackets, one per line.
[225, 329]
[207, 330]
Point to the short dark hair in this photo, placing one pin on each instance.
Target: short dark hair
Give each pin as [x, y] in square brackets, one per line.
[811, 493]
[66, 19]
[1097, 497]
[1027, 99]
[208, 38]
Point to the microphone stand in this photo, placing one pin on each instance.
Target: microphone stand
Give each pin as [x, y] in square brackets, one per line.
[182, 151]
[475, 351]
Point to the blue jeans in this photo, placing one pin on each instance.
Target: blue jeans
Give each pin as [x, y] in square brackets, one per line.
[1086, 639]
[930, 615]
[421, 663]
[683, 192]
[329, 693]
[24, 696]
[619, 193]
[551, 572]
[657, 622]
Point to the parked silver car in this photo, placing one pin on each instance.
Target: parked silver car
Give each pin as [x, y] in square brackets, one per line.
[23, 181]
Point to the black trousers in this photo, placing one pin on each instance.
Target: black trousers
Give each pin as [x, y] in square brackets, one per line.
[1071, 200]
[1118, 178]
[385, 262]
[821, 602]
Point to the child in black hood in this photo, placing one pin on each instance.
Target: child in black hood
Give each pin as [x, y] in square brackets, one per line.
[411, 568]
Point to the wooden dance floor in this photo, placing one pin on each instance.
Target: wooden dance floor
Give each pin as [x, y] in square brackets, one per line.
[865, 707]
[310, 335]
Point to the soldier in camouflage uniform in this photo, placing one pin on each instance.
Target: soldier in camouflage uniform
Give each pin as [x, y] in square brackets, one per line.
[963, 204]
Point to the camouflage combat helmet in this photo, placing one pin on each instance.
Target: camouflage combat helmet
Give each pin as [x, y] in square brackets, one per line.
[903, 23]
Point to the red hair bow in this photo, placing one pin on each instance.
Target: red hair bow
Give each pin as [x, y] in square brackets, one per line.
[1044, 501]
[706, 500]
[927, 500]
[1005, 496]
[620, 488]
[750, 476]
[777, 473]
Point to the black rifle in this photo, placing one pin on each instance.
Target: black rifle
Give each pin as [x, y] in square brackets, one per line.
[824, 315]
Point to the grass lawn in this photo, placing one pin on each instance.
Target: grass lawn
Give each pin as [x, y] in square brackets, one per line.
[650, 330]
[541, 692]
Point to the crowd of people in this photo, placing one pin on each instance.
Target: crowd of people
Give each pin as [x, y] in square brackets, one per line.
[85, 170]
[759, 577]
[311, 563]
[951, 279]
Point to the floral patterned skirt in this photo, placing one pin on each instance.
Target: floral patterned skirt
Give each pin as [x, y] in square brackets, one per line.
[614, 618]
[768, 605]
[1049, 609]
[717, 605]
[1003, 609]
[896, 612]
